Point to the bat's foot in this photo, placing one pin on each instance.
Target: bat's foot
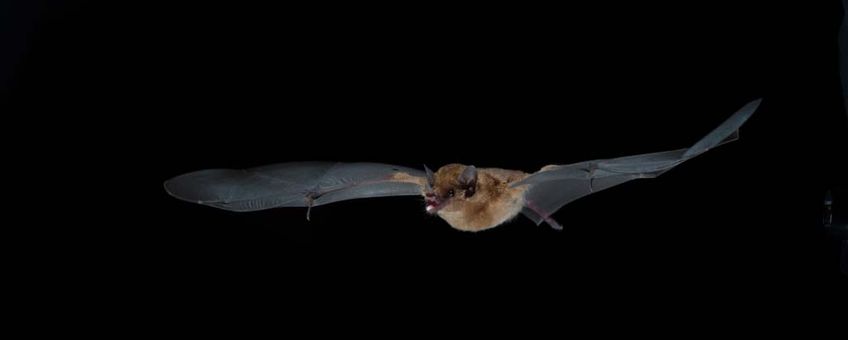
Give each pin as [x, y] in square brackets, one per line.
[533, 213]
[553, 223]
[310, 201]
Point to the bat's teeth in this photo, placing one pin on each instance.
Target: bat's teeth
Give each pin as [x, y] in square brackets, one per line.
[430, 208]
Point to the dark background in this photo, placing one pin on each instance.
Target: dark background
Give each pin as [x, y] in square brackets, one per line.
[149, 90]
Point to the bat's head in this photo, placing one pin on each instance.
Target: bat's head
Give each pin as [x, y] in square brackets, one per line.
[451, 184]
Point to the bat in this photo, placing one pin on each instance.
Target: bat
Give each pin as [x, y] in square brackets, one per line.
[467, 197]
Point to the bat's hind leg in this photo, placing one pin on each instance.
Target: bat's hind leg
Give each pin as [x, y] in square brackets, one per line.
[537, 216]
[310, 201]
[553, 223]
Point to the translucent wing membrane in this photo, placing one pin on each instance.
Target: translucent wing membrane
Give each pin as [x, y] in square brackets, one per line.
[557, 185]
[298, 184]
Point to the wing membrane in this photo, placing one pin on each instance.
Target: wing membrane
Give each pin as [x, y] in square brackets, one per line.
[297, 184]
[557, 185]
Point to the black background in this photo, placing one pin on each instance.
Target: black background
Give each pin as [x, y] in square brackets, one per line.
[150, 90]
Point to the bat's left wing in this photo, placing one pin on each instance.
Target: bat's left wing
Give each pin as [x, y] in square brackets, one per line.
[557, 185]
[297, 184]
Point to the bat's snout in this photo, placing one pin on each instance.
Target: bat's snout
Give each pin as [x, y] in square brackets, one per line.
[432, 204]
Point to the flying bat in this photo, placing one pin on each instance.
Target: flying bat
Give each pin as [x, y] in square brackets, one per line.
[467, 197]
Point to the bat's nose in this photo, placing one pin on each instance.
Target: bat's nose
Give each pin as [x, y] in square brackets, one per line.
[432, 203]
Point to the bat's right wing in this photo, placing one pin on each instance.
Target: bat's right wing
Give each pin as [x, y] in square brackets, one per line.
[557, 185]
[297, 184]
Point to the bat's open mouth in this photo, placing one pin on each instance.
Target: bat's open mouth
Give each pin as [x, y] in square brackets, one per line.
[432, 204]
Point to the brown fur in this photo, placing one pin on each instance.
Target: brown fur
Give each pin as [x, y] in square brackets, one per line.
[405, 177]
[493, 203]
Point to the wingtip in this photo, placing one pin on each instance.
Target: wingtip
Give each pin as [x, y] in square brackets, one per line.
[166, 186]
[726, 132]
[755, 103]
[169, 189]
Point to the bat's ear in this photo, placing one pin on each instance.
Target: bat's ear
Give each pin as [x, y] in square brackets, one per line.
[431, 179]
[468, 177]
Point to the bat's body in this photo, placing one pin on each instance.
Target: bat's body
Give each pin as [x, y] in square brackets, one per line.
[468, 198]
[494, 201]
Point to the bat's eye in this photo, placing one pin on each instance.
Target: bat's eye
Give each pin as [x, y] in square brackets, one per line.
[451, 193]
